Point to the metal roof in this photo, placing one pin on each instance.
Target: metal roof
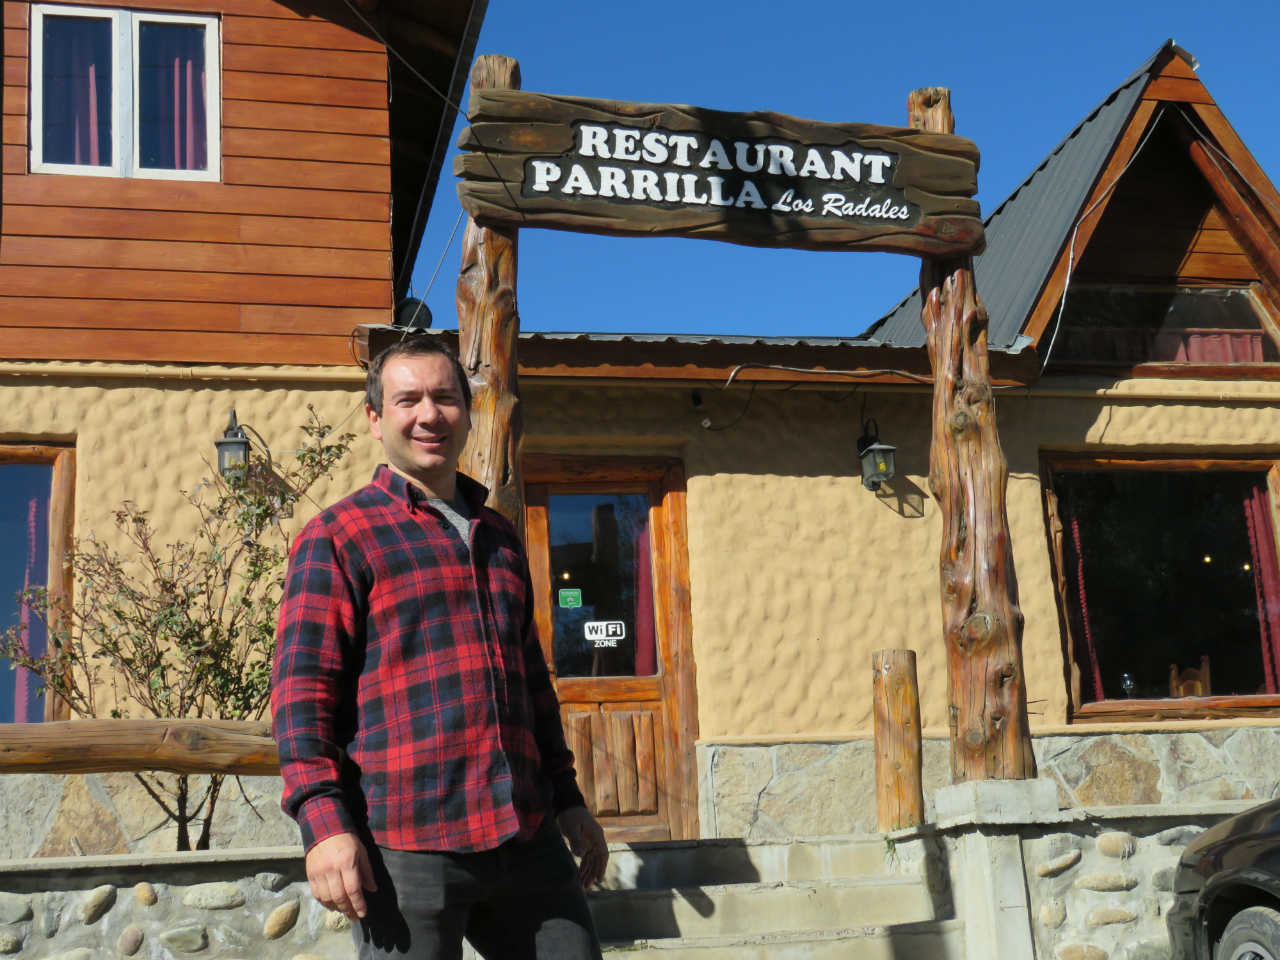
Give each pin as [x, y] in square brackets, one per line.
[1026, 232]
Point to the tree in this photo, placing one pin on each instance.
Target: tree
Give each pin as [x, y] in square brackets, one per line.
[180, 630]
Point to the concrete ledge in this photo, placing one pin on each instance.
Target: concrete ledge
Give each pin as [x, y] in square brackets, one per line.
[135, 861]
[997, 801]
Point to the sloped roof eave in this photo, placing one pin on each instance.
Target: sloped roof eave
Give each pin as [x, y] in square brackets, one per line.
[1027, 231]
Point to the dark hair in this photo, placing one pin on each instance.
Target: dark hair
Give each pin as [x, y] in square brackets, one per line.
[415, 347]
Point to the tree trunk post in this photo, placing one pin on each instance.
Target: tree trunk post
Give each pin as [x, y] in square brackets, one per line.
[488, 329]
[896, 695]
[968, 476]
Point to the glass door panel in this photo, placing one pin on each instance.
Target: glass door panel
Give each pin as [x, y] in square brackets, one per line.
[601, 585]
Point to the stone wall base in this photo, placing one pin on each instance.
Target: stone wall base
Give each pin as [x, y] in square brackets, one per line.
[779, 791]
[198, 904]
[55, 815]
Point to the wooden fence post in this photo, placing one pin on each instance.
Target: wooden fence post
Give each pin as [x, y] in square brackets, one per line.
[488, 329]
[968, 476]
[896, 695]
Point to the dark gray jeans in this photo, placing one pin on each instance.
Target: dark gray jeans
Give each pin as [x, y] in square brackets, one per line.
[521, 901]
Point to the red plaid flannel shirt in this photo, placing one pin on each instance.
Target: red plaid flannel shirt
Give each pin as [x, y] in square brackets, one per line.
[409, 693]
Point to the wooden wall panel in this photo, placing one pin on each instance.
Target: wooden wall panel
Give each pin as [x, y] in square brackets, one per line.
[313, 33]
[163, 315]
[303, 117]
[306, 174]
[111, 284]
[17, 13]
[148, 346]
[161, 255]
[286, 88]
[263, 58]
[176, 196]
[275, 263]
[211, 228]
[296, 145]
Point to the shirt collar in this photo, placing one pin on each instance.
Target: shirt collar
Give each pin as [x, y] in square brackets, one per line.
[399, 488]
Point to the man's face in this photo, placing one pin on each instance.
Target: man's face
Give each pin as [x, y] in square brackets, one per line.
[424, 421]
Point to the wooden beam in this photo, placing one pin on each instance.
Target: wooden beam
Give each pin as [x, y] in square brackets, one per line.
[1258, 239]
[488, 329]
[896, 699]
[968, 476]
[102, 746]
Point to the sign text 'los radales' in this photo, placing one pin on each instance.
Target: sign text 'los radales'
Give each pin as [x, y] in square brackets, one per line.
[759, 179]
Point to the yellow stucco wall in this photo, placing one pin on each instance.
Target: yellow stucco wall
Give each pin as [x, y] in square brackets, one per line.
[797, 573]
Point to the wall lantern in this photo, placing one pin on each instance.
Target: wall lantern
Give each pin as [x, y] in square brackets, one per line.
[233, 448]
[877, 458]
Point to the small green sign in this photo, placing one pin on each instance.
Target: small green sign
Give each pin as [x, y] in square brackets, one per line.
[571, 597]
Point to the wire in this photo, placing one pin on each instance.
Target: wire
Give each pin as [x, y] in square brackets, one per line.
[856, 374]
[1208, 142]
[1075, 230]
[399, 56]
[444, 97]
[707, 425]
[422, 301]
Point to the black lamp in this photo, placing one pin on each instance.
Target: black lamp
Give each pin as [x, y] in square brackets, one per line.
[877, 458]
[233, 448]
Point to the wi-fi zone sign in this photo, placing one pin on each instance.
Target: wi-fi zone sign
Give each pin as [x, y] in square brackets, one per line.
[605, 633]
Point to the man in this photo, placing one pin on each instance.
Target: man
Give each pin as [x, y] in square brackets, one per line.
[419, 734]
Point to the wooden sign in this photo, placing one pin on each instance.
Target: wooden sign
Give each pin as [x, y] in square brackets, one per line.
[762, 179]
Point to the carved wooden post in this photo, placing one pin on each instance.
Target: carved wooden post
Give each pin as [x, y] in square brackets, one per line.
[896, 695]
[488, 328]
[968, 475]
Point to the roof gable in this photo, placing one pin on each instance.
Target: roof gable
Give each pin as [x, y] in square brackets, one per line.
[1040, 235]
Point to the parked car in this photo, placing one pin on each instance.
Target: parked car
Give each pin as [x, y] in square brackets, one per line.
[1226, 889]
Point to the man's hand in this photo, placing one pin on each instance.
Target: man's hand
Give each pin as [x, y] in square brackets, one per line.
[586, 840]
[338, 871]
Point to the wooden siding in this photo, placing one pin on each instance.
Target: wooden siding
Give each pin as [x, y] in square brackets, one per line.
[1164, 225]
[275, 263]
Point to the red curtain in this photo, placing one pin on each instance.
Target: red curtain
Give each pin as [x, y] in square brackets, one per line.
[1095, 673]
[646, 645]
[76, 91]
[171, 98]
[1266, 582]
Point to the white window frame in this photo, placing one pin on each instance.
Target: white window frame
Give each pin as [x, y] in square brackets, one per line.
[124, 93]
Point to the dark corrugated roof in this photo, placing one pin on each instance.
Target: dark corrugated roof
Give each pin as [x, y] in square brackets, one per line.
[1027, 231]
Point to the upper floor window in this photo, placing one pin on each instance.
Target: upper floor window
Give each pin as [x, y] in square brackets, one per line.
[124, 93]
[1131, 325]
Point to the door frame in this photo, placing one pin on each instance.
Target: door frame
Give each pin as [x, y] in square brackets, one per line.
[663, 478]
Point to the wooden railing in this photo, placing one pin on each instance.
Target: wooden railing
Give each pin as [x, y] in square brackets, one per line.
[102, 746]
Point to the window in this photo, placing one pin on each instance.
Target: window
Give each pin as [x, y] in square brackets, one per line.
[1168, 584]
[35, 515]
[124, 93]
[602, 621]
[1125, 326]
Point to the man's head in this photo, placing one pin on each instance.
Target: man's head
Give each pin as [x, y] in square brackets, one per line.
[417, 346]
[418, 403]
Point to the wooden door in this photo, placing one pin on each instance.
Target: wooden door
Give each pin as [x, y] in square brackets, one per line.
[609, 562]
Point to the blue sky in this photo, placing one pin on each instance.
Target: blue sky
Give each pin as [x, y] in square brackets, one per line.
[1021, 76]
